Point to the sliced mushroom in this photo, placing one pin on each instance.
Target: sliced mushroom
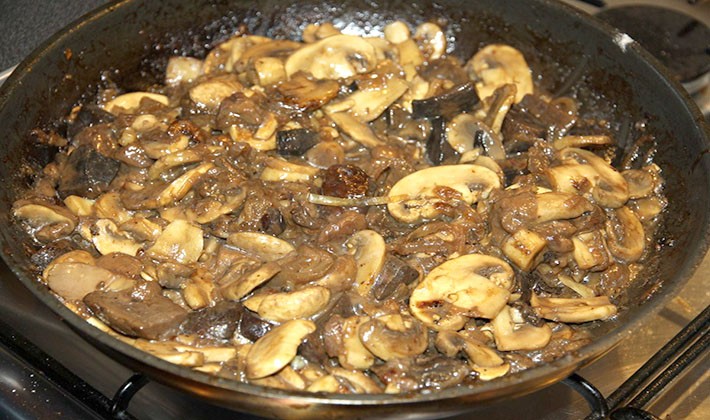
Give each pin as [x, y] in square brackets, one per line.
[394, 336]
[179, 158]
[355, 129]
[454, 291]
[210, 93]
[484, 360]
[108, 239]
[74, 280]
[316, 31]
[641, 183]
[496, 65]
[625, 234]
[301, 303]
[431, 40]
[560, 206]
[236, 289]
[573, 310]
[413, 197]
[352, 353]
[180, 241]
[277, 348]
[179, 188]
[361, 383]
[282, 170]
[306, 92]
[260, 245]
[583, 170]
[368, 104]
[182, 70]
[523, 248]
[397, 32]
[79, 206]
[510, 336]
[590, 251]
[334, 57]
[369, 250]
[582, 141]
[49, 222]
[465, 132]
[128, 102]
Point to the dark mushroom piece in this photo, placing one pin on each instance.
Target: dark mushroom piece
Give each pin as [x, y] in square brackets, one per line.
[438, 149]
[452, 102]
[295, 142]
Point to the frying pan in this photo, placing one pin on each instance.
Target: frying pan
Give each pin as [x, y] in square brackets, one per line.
[129, 42]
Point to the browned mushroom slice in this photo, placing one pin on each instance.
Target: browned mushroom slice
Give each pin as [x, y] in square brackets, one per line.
[306, 92]
[453, 292]
[496, 65]
[180, 241]
[395, 336]
[573, 310]
[414, 193]
[626, 237]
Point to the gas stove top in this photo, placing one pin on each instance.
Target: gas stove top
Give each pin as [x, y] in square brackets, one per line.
[25, 391]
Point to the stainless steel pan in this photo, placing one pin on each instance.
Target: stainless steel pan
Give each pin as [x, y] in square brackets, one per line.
[607, 71]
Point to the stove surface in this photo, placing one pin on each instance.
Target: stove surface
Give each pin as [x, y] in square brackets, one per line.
[687, 399]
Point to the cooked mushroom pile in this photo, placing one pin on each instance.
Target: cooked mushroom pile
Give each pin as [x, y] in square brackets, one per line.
[343, 214]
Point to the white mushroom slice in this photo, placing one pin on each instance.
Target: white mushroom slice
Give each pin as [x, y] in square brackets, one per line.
[461, 133]
[523, 248]
[648, 208]
[579, 288]
[181, 241]
[369, 249]
[210, 94]
[109, 239]
[269, 70]
[157, 149]
[79, 206]
[74, 280]
[261, 245]
[143, 123]
[641, 183]
[481, 355]
[334, 57]
[490, 373]
[573, 310]
[453, 292]
[340, 276]
[75, 256]
[510, 336]
[368, 104]
[244, 136]
[179, 158]
[247, 283]
[182, 70]
[496, 65]
[560, 206]
[581, 141]
[328, 383]
[267, 128]
[317, 31]
[110, 206]
[182, 185]
[216, 209]
[277, 348]
[355, 129]
[472, 181]
[410, 57]
[353, 354]
[302, 303]
[590, 252]
[431, 40]
[583, 170]
[394, 336]
[128, 102]
[625, 234]
[397, 32]
[362, 383]
[40, 215]
[278, 169]
[142, 229]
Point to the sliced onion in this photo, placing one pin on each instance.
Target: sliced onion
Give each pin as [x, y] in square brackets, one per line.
[327, 200]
